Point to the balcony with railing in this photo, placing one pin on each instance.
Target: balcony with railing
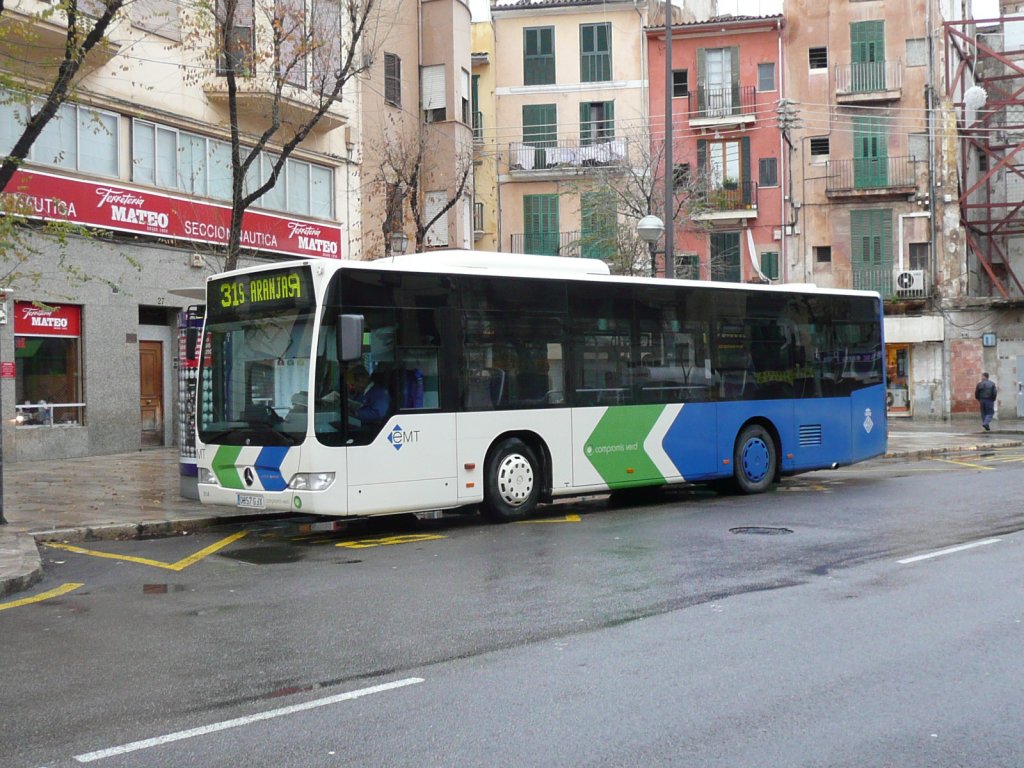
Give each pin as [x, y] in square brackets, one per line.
[37, 35]
[555, 158]
[711, 107]
[893, 284]
[736, 200]
[869, 81]
[547, 243]
[870, 177]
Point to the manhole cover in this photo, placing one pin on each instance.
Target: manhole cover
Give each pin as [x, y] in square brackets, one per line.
[761, 530]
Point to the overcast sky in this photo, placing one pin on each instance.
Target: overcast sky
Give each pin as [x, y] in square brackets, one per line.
[983, 9]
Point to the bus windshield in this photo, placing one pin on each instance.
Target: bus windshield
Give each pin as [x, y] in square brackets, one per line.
[255, 380]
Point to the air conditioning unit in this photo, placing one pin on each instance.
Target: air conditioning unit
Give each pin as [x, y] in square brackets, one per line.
[909, 282]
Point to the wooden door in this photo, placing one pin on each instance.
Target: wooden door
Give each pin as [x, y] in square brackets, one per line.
[151, 391]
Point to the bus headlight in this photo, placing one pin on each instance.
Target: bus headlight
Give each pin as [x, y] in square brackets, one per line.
[311, 481]
[207, 477]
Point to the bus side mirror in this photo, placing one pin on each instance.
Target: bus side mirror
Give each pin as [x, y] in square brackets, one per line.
[350, 337]
[191, 337]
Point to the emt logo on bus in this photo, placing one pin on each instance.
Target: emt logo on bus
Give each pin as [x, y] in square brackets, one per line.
[399, 437]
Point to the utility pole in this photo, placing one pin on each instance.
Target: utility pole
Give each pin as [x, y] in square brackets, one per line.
[670, 267]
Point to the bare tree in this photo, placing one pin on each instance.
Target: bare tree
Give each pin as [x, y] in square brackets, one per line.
[407, 163]
[624, 192]
[86, 25]
[300, 61]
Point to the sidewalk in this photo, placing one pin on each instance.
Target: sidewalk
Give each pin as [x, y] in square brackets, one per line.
[123, 496]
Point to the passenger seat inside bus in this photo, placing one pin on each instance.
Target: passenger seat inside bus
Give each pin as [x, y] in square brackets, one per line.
[487, 389]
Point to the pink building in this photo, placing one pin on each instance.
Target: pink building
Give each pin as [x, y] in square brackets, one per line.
[728, 150]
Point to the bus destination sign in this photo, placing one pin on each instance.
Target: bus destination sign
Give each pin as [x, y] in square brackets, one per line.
[272, 291]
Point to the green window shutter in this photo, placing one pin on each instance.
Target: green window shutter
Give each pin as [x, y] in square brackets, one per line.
[540, 222]
[770, 264]
[597, 238]
[734, 55]
[867, 55]
[538, 55]
[609, 120]
[702, 85]
[595, 52]
[871, 249]
[870, 152]
[725, 256]
[586, 126]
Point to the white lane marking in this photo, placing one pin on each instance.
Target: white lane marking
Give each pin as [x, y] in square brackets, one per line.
[947, 551]
[89, 757]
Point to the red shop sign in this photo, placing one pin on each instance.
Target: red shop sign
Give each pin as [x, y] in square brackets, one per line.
[58, 320]
[131, 209]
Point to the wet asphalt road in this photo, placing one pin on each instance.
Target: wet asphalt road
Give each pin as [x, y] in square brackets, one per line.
[699, 630]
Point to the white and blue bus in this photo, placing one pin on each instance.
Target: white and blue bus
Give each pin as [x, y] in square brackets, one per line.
[504, 381]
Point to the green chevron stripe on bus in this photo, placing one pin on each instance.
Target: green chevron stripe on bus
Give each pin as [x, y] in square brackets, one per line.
[224, 466]
[616, 446]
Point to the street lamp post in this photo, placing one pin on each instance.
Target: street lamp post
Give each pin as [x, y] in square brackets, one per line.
[399, 241]
[651, 228]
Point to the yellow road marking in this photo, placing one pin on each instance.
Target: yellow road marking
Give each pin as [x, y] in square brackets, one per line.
[61, 590]
[964, 464]
[178, 566]
[384, 541]
[566, 519]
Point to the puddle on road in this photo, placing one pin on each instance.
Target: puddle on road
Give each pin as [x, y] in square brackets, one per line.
[761, 530]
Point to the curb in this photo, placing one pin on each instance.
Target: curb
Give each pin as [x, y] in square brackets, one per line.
[22, 565]
[925, 453]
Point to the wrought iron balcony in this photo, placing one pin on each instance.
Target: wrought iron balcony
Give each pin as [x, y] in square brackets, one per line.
[869, 81]
[729, 201]
[547, 243]
[561, 155]
[870, 176]
[726, 105]
[894, 284]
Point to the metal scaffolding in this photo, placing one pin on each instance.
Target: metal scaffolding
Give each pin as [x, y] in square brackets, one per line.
[985, 86]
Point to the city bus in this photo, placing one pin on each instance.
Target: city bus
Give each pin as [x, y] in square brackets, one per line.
[458, 379]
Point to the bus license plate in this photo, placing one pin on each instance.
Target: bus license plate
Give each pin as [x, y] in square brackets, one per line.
[250, 501]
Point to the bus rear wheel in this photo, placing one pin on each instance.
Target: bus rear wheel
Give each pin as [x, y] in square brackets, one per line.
[512, 482]
[755, 460]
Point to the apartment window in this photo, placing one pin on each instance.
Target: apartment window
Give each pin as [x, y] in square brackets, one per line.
[770, 264]
[819, 148]
[918, 253]
[724, 254]
[435, 103]
[290, 26]
[768, 172]
[393, 79]
[433, 205]
[823, 254]
[817, 58]
[78, 138]
[680, 83]
[180, 160]
[597, 122]
[595, 52]
[240, 45]
[766, 76]
[466, 117]
[538, 55]
[48, 367]
[687, 266]
[681, 176]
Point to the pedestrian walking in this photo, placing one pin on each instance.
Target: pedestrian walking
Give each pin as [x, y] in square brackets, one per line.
[985, 394]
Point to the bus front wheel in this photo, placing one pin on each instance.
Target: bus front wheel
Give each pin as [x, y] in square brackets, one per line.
[755, 460]
[512, 482]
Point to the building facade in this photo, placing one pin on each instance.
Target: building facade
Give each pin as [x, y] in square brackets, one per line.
[728, 152]
[139, 166]
[417, 130]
